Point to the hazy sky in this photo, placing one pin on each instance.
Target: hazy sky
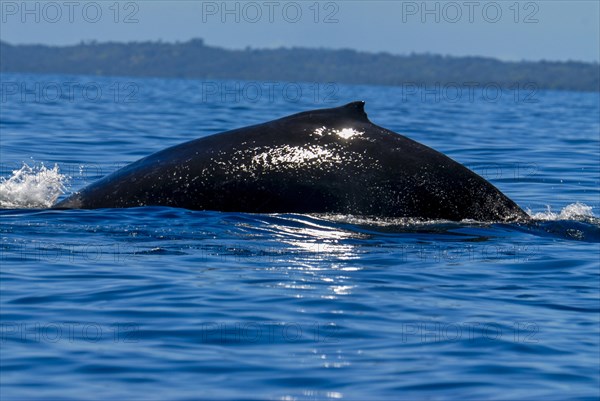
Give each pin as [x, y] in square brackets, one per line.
[509, 30]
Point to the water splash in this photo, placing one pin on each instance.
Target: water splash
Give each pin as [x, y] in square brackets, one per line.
[32, 187]
[573, 211]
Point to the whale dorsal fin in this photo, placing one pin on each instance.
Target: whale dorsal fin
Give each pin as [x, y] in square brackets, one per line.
[353, 110]
[356, 110]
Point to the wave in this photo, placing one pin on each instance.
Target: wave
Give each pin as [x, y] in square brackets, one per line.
[32, 187]
[574, 211]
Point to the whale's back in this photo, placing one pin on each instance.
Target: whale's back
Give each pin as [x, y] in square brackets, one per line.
[322, 161]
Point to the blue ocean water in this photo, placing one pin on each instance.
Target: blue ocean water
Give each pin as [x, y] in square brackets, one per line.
[161, 303]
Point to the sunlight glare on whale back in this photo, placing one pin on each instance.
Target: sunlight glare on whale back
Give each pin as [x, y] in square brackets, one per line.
[347, 133]
[344, 133]
[298, 156]
[294, 155]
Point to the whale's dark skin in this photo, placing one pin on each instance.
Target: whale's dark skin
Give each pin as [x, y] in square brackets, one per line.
[321, 161]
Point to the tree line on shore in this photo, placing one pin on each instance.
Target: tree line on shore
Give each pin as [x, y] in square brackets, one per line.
[194, 59]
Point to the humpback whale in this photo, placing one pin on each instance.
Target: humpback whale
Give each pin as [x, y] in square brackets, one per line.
[321, 161]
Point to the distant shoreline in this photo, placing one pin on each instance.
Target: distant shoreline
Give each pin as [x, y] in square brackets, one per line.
[194, 59]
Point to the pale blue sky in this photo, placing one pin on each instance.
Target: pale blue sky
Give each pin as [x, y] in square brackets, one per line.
[530, 30]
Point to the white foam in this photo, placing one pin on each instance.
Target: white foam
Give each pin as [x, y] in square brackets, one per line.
[32, 187]
[572, 211]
